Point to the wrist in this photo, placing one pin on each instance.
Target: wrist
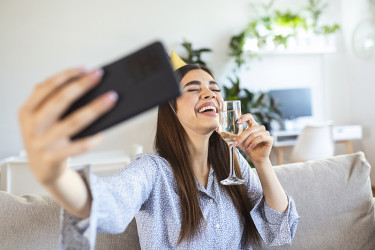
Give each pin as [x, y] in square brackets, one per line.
[262, 163]
[56, 177]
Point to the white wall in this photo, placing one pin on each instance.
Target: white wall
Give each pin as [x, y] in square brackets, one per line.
[361, 75]
[38, 38]
[41, 37]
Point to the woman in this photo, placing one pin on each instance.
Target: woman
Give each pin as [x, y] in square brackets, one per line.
[174, 194]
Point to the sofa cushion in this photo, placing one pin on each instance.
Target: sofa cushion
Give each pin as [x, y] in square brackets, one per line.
[334, 200]
[32, 222]
[127, 240]
[28, 222]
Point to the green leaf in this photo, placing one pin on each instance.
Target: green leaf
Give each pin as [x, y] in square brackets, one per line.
[194, 55]
[204, 50]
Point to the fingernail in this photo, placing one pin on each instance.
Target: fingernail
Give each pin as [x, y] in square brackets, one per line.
[239, 121]
[96, 73]
[250, 146]
[81, 69]
[235, 144]
[111, 97]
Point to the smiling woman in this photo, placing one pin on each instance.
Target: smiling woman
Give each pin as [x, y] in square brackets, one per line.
[191, 123]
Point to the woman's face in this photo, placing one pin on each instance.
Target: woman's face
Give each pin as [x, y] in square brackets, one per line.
[198, 106]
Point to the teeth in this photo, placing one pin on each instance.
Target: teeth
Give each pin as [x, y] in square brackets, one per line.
[207, 107]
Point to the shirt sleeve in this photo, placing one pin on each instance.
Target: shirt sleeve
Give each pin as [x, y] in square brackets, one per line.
[275, 228]
[115, 201]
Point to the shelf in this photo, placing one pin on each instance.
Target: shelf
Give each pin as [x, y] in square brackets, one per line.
[297, 52]
[301, 45]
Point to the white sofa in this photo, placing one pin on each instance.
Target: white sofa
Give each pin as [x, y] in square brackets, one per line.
[333, 198]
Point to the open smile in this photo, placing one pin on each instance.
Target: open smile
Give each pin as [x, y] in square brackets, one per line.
[208, 108]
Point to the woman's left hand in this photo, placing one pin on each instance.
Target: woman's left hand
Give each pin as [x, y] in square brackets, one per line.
[255, 140]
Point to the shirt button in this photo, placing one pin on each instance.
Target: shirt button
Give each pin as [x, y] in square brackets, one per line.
[212, 200]
[218, 225]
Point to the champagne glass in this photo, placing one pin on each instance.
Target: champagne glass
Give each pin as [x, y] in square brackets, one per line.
[229, 113]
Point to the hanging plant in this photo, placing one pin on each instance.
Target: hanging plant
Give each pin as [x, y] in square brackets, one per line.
[290, 20]
[236, 46]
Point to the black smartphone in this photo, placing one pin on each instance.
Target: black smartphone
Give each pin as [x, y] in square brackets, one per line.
[142, 80]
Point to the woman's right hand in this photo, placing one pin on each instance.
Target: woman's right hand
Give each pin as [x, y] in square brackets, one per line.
[46, 137]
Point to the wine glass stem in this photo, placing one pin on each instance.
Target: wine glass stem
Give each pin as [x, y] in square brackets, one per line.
[231, 159]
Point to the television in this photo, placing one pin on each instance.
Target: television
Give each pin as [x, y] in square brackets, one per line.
[293, 103]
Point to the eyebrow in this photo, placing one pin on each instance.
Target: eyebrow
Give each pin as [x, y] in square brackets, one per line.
[199, 83]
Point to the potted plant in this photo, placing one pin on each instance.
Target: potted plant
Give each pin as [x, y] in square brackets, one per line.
[194, 56]
[273, 28]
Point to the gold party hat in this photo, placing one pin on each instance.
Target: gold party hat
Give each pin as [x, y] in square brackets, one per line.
[176, 61]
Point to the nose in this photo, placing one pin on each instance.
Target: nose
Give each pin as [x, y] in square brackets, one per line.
[208, 94]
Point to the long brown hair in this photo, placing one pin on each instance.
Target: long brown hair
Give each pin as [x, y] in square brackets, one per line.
[171, 144]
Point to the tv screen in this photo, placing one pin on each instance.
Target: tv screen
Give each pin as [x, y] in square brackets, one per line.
[293, 103]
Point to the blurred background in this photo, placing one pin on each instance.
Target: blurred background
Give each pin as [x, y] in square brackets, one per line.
[265, 53]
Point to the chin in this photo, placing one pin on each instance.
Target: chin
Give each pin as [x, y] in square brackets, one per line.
[212, 127]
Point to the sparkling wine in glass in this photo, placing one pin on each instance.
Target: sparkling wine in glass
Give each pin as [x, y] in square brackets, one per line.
[229, 113]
